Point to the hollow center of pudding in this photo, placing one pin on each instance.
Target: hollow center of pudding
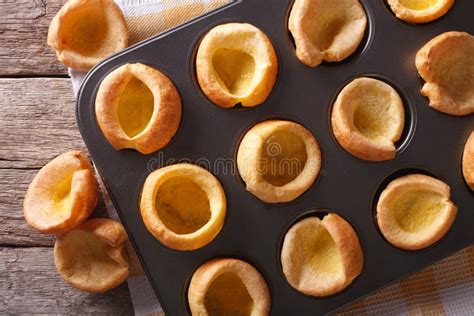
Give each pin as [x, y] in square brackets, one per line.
[135, 107]
[454, 71]
[235, 69]
[92, 247]
[227, 295]
[86, 31]
[324, 254]
[418, 4]
[86, 255]
[328, 29]
[61, 195]
[283, 157]
[182, 205]
[417, 210]
[373, 117]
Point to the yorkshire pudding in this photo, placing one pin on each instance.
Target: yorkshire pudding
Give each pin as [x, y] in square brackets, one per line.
[236, 63]
[84, 32]
[228, 287]
[327, 30]
[415, 211]
[447, 66]
[420, 11]
[468, 161]
[62, 195]
[278, 160]
[368, 118]
[321, 257]
[183, 206]
[138, 107]
[92, 257]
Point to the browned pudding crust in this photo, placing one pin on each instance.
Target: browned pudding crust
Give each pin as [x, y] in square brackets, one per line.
[468, 161]
[228, 287]
[415, 211]
[84, 32]
[183, 206]
[278, 160]
[138, 107]
[321, 257]
[236, 63]
[329, 30]
[368, 118]
[420, 11]
[92, 256]
[447, 66]
[62, 195]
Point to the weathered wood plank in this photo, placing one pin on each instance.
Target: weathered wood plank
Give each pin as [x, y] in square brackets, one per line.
[37, 121]
[31, 285]
[15, 231]
[23, 33]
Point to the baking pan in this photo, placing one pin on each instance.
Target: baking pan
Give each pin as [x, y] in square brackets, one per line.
[253, 231]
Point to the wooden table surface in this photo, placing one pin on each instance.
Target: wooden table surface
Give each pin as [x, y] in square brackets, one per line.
[37, 122]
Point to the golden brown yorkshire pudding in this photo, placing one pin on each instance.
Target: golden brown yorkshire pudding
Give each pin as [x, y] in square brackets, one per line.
[183, 206]
[468, 161]
[92, 257]
[368, 118]
[236, 63]
[228, 287]
[278, 160]
[420, 11]
[84, 32]
[415, 211]
[138, 107]
[447, 66]
[327, 30]
[321, 257]
[62, 195]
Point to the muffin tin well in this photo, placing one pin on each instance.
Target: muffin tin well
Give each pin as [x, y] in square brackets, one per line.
[253, 230]
[408, 106]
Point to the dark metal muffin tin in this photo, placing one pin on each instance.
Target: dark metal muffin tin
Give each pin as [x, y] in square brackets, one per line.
[253, 231]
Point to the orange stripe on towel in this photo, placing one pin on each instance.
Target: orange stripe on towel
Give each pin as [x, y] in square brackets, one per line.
[470, 260]
[455, 270]
[421, 294]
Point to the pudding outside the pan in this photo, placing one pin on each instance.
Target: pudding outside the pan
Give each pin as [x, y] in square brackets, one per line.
[415, 211]
[183, 206]
[420, 11]
[62, 195]
[84, 32]
[278, 160]
[92, 257]
[138, 107]
[368, 118]
[236, 63]
[321, 257]
[228, 287]
[329, 30]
